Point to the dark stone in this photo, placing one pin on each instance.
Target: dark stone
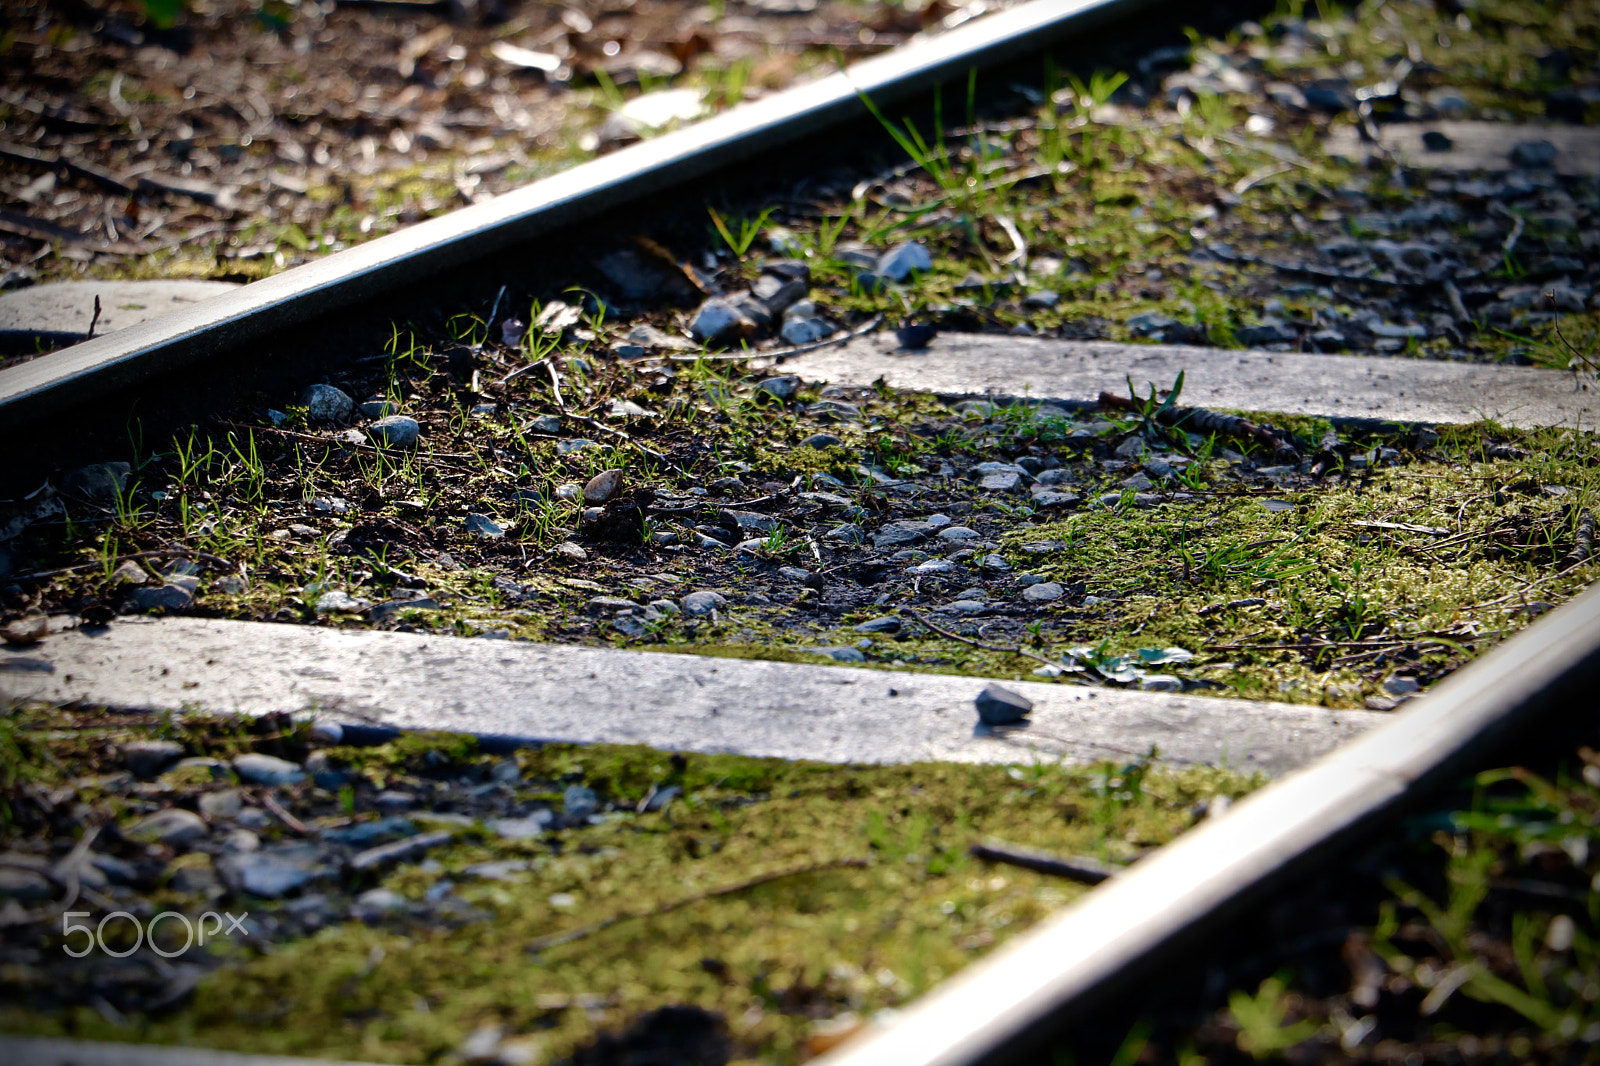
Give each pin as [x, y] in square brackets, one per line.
[1265, 333]
[1533, 154]
[998, 705]
[165, 598]
[916, 335]
[1330, 94]
[776, 293]
[899, 534]
[1434, 141]
[98, 481]
[147, 758]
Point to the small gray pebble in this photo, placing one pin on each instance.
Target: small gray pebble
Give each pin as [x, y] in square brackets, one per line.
[699, 604]
[258, 769]
[395, 431]
[325, 403]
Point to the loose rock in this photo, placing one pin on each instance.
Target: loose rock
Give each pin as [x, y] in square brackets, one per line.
[325, 403]
[699, 604]
[338, 600]
[1532, 155]
[268, 874]
[258, 769]
[395, 431]
[29, 629]
[1043, 592]
[783, 388]
[147, 758]
[166, 598]
[899, 262]
[603, 486]
[173, 826]
[579, 802]
[24, 886]
[719, 319]
[998, 705]
[898, 534]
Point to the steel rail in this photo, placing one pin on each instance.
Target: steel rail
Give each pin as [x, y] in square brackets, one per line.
[32, 391]
[1008, 1007]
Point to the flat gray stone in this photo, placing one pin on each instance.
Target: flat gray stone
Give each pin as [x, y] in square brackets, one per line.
[174, 825]
[674, 702]
[702, 603]
[900, 534]
[257, 769]
[166, 598]
[1289, 382]
[68, 306]
[395, 431]
[268, 874]
[1475, 145]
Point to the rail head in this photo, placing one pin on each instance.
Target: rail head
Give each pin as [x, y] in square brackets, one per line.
[32, 391]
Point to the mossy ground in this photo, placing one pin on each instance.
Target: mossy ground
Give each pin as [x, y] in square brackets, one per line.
[1407, 555]
[818, 941]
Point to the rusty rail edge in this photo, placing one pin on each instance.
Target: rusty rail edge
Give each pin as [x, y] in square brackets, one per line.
[1007, 1007]
[96, 368]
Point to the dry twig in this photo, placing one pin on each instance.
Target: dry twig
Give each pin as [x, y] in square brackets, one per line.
[1082, 868]
[1010, 650]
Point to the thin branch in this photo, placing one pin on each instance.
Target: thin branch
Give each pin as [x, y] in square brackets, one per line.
[185, 552]
[785, 353]
[270, 802]
[1082, 868]
[1529, 587]
[1016, 650]
[652, 453]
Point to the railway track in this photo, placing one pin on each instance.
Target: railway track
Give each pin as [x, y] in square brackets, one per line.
[1009, 1006]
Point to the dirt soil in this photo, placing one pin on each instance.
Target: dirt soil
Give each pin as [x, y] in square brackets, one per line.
[248, 136]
